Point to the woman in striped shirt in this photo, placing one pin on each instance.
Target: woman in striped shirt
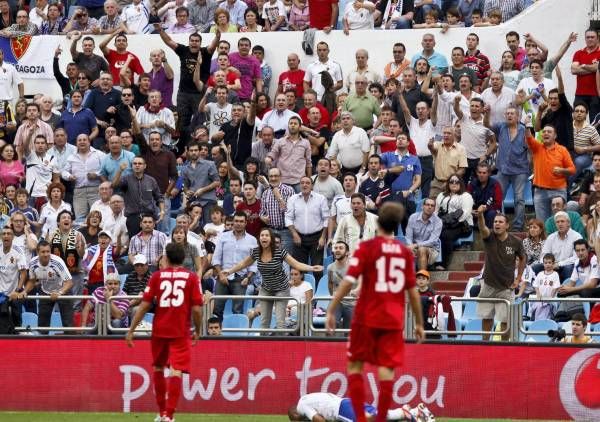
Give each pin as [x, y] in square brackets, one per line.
[269, 259]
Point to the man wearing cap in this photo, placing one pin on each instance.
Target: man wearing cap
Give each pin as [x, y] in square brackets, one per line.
[136, 281]
[423, 234]
[118, 308]
[98, 261]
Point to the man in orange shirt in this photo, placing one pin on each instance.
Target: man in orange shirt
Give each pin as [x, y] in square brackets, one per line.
[552, 165]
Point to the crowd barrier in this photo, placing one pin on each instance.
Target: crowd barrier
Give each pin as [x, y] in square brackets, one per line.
[261, 375]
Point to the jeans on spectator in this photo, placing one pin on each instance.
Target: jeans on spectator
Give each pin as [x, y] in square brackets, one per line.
[471, 169]
[593, 103]
[206, 209]
[164, 224]
[582, 162]
[426, 174]
[133, 224]
[83, 199]
[343, 315]
[409, 207]
[77, 289]
[593, 292]
[266, 308]
[308, 252]
[564, 272]
[234, 288]
[542, 199]
[46, 307]
[187, 104]
[401, 23]
[447, 4]
[518, 182]
[447, 238]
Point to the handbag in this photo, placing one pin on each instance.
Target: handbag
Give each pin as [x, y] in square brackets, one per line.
[450, 220]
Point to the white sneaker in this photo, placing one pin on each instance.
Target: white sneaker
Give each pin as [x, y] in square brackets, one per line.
[158, 418]
[427, 415]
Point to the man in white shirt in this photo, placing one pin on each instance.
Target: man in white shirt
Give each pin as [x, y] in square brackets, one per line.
[312, 76]
[498, 98]
[9, 80]
[358, 226]
[340, 206]
[362, 69]
[41, 170]
[135, 16]
[350, 146]
[115, 222]
[219, 112]
[13, 274]
[279, 117]
[105, 192]
[530, 91]
[155, 117]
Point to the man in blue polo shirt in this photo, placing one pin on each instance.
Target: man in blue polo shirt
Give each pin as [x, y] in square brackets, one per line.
[78, 120]
[403, 172]
[118, 157]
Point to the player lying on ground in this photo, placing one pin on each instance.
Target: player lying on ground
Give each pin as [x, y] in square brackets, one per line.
[327, 407]
[175, 292]
[387, 270]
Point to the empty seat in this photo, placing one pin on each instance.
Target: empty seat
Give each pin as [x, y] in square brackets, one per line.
[472, 325]
[235, 321]
[541, 325]
[29, 319]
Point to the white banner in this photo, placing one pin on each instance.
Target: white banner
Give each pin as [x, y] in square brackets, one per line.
[31, 56]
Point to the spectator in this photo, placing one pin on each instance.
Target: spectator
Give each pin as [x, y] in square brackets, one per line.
[236, 9]
[47, 115]
[140, 90]
[273, 206]
[336, 271]
[111, 21]
[519, 53]
[98, 261]
[578, 329]
[24, 238]
[458, 68]
[299, 16]
[266, 71]
[454, 206]
[586, 140]
[531, 91]
[182, 24]
[214, 327]
[362, 105]
[557, 204]
[502, 251]
[30, 129]
[450, 158]
[434, 58]
[78, 119]
[12, 171]
[136, 281]
[312, 76]
[324, 183]
[512, 161]
[587, 185]
[102, 205]
[534, 241]
[341, 204]
[302, 291]
[373, 186]
[118, 308]
[412, 94]
[292, 155]
[487, 191]
[358, 226]
[509, 9]
[293, 77]
[40, 171]
[394, 69]
[508, 67]
[498, 97]
[251, 207]
[22, 27]
[103, 101]
[317, 133]
[81, 22]
[251, 21]
[392, 14]
[52, 23]
[55, 281]
[584, 280]
[279, 117]
[116, 158]
[83, 168]
[11, 80]
[148, 242]
[358, 15]
[202, 14]
[310, 101]
[161, 76]
[193, 261]
[262, 147]
[116, 58]
[21, 204]
[135, 17]
[7, 16]
[350, 145]
[200, 180]
[222, 22]
[275, 15]
[423, 234]
[324, 15]
[584, 66]
[13, 276]
[233, 247]
[249, 66]
[86, 60]
[560, 244]
[154, 117]
[552, 165]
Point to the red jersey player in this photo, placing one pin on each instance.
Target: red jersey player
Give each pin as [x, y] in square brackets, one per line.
[387, 270]
[175, 293]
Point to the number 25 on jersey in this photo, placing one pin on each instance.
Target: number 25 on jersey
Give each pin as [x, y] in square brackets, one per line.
[172, 294]
[390, 274]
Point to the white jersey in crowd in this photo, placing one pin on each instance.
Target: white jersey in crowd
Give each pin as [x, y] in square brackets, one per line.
[51, 276]
[10, 264]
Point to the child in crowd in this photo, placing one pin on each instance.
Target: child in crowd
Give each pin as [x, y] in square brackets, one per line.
[300, 290]
[431, 20]
[214, 326]
[22, 204]
[546, 285]
[452, 20]
[216, 226]
[494, 18]
[423, 284]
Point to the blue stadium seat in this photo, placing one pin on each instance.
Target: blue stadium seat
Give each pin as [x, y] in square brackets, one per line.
[55, 321]
[586, 309]
[29, 319]
[540, 325]
[469, 313]
[420, 205]
[149, 317]
[401, 238]
[596, 327]
[328, 260]
[467, 239]
[122, 278]
[322, 290]
[235, 321]
[472, 325]
[311, 279]
[509, 198]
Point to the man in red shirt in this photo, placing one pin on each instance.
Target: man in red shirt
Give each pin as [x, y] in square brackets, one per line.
[585, 66]
[175, 292]
[293, 78]
[251, 207]
[387, 270]
[323, 14]
[310, 100]
[116, 58]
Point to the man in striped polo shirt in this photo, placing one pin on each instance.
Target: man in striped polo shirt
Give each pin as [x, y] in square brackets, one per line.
[118, 308]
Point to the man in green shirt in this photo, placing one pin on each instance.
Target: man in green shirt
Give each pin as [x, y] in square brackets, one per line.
[362, 104]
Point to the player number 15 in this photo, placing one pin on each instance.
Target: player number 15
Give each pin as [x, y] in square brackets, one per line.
[176, 289]
[390, 279]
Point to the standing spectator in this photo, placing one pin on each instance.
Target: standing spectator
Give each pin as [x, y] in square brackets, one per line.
[53, 22]
[251, 207]
[393, 70]
[341, 206]
[275, 16]
[12, 171]
[512, 162]
[55, 281]
[373, 186]
[266, 71]
[584, 66]
[292, 155]
[78, 119]
[477, 138]
[363, 106]
[262, 147]
[103, 101]
[499, 281]
[115, 223]
[324, 183]
[161, 76]
[392, 14]
[112, 162]
[135, 17]
[30, 129]
[310, 101]
[98, 262]
[14, 274]
[273, 206]
[306, 218]
[232, 247]
[454, 206]
[154, 117]
[336, 271]
[586, 140]
[531, 91]
[142, 195]
[83, 168]
[86, 60]
[450, 158]
[487, 191]
[434, 58]
[217, 113]
[324, 15]
[202, 13]
[117, 58]
[41, 169]
[190, 56]
[358, 15]
[279, 117]
[350, 145]
[47, 115]
[498, 98]
[519, 53]
[67, 83]
[200, 180]
[423, 234]
[312, 76]
[476, 60]
[24, 239]
[552, 165]
[69, 245]
[293, 78]
[412, 94]
[458, 68]
[105, 192]
[249, 66]
[148, 241]
[358, 226]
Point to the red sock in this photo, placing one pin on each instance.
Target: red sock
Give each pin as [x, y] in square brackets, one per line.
[160, 390]
[384, 400]
[173, 396]
[356, 387]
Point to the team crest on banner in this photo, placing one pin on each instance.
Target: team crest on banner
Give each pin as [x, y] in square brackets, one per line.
[31, 56]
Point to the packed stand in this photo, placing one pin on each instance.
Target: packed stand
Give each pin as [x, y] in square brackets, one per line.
[270, 181]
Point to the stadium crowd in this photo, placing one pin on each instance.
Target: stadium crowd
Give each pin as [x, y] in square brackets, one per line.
[260, 176]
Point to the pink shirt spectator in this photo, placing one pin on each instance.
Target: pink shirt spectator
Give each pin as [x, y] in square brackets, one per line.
[160, 82]
[11, 174]
[188, 28]
[249, 67]
[299, 17]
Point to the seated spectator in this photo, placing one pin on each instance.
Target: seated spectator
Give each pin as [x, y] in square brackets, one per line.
[578, 326]
[136, 281]
[51, 209]
[583, 280]
[423, 234]
[560, 244]
[182, 25]
[214, 327]
[299, 16]
[135, 17]
[118, 308]
[81, 22]
[91, 228]
[558, 204]
[486, 190]
[534, 241]
[12, 171]
[216, 225]
[148, 242]
[24, 238]
[430, 21]
[586, 139]
[452, 20]
[222, 23]
[192, 261]
[335, 274]
[22, 27]
[47, 115]
[303, 292]
[111, 21]
[53, 22]
[98, 262]
[116, 58]
[394, 14]
[358, 15]
[275, 16]
[454, 206]
[251, 21]
[22, 206]
[546, 285]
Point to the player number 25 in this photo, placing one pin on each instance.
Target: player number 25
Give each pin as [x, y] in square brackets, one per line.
[390, 279]
[168, 289]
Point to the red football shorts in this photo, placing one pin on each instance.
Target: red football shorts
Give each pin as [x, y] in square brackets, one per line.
[378, 346]
[174, 352]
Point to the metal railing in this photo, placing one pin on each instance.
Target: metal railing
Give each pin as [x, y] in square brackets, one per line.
[54, 329]
[310, 323]
[108, 320]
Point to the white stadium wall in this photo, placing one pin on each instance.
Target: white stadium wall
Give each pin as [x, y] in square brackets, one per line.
[548, 20]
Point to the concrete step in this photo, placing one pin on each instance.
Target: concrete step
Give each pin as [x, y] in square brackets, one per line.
[449, 285]
[458, 259]
[473, 265]
[462, 275]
